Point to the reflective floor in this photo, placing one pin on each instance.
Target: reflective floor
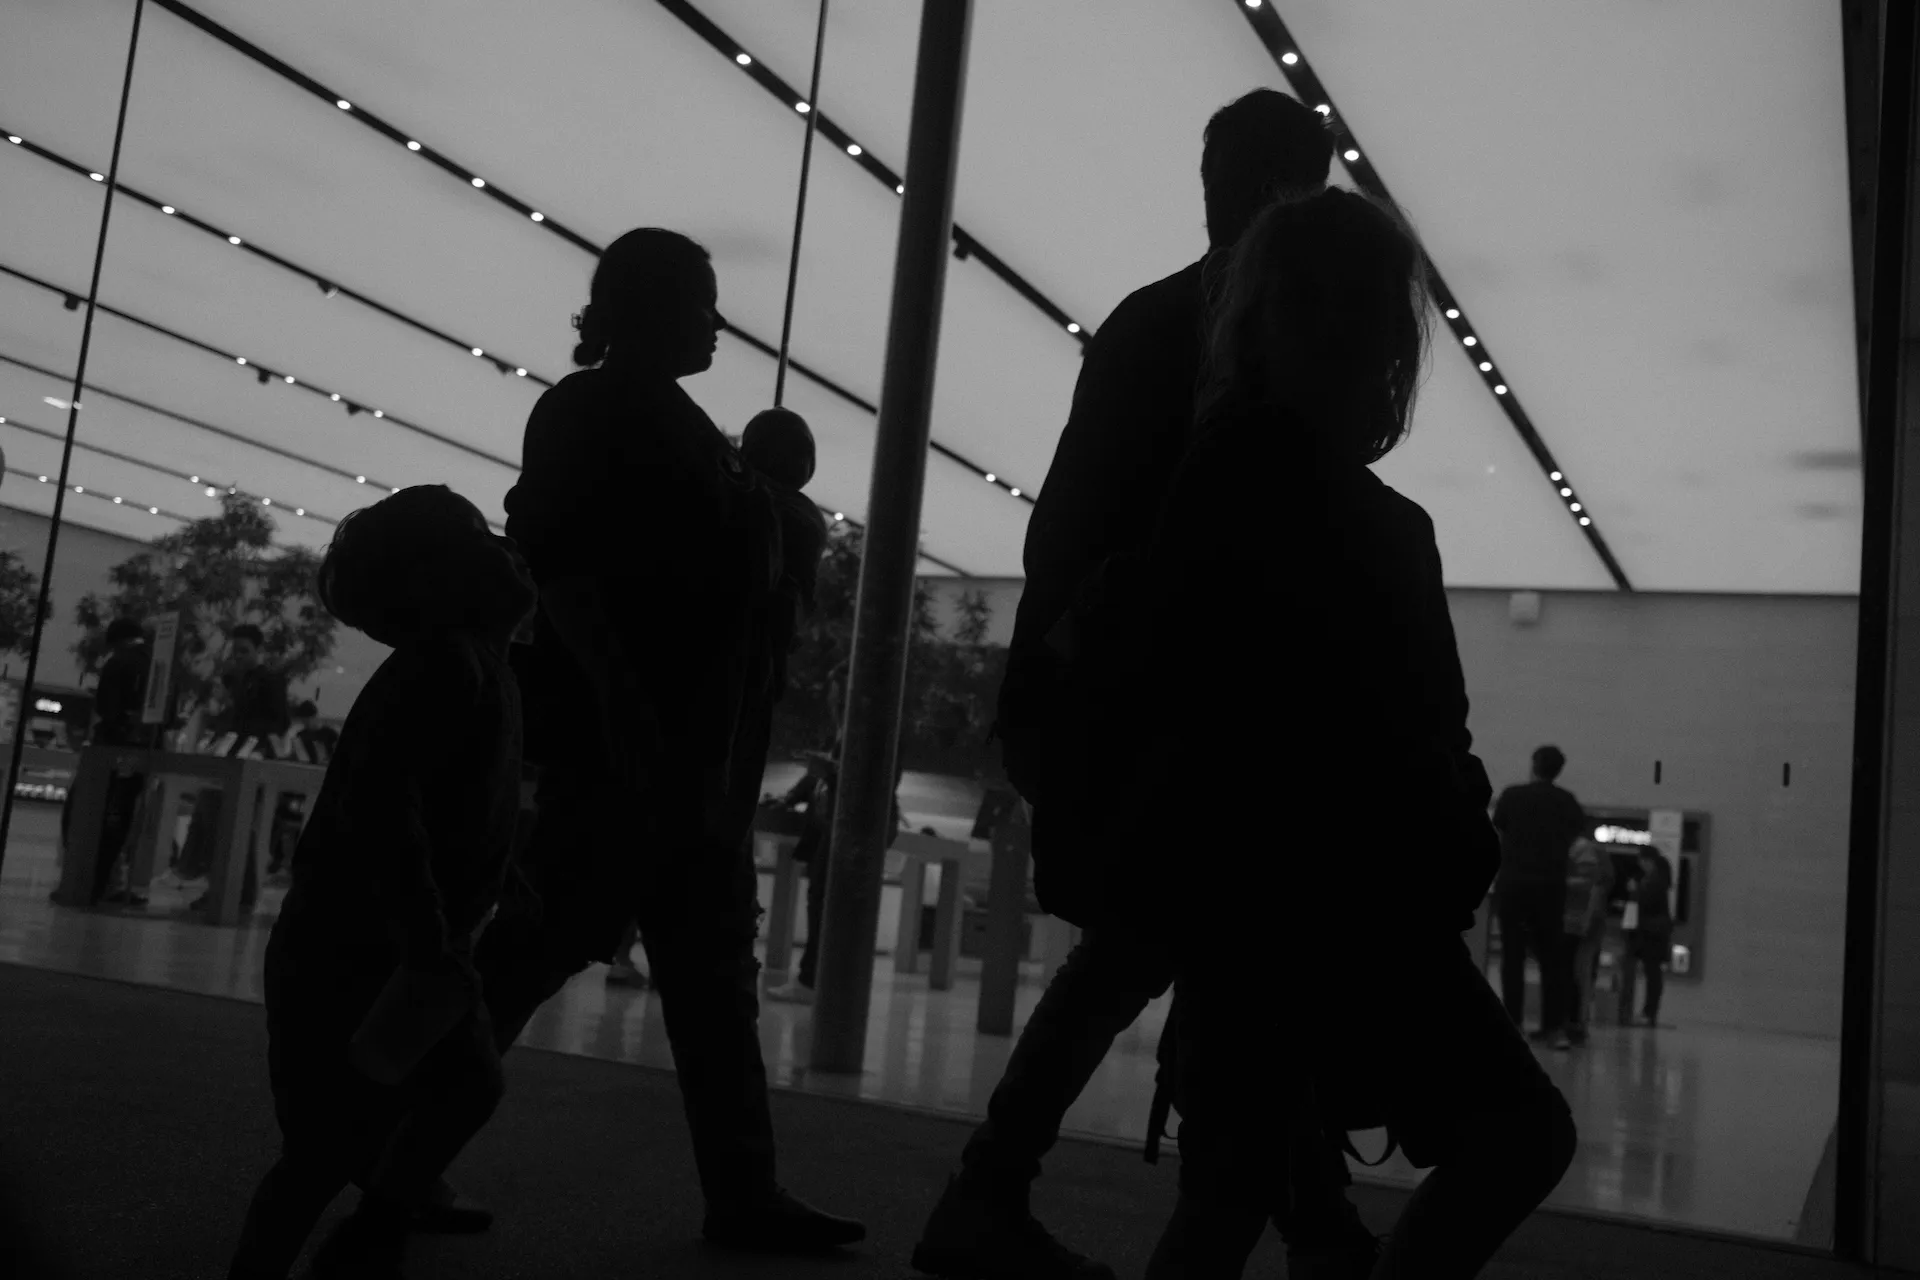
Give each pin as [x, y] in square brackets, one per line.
[1704, 1127]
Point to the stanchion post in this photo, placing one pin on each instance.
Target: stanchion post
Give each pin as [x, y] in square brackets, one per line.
[876, 680]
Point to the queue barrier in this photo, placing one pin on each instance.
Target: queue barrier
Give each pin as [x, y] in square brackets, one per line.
[1001, 861]
[252, 788]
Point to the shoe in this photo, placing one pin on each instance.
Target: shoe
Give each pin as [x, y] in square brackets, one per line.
[1353, 1260]
[974, 1237]
[625, 975]
[780, 1224]
[791, 993]
[444, 1215]
[371, 1244]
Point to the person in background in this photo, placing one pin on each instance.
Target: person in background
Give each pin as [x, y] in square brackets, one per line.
[1131, 421]
[379, 1050]
[1589, 884]
[812, 851]
[1538, 822]
[254, 709]
[117, 707]
[319, 740]
[1650, 940]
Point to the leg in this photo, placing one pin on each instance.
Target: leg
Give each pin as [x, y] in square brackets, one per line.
[123, 795]
[1653, 950]
[1498, 1134]
[1099, 992]
[1544, 908]
[1514, 940]
[282, 1214]
[816, 911]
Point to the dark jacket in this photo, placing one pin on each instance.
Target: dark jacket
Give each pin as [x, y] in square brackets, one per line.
[1538, 823]
[413, 826]
[803, 539]
[1293, 632]
[1650, 891]
[121, 698]
[1132, 408]
[629, 482]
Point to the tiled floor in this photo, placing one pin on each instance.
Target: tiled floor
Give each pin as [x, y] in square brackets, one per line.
[1711, 1128]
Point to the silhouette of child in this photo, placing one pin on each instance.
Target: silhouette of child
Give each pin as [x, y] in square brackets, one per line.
[778, 446]
[380, 1055]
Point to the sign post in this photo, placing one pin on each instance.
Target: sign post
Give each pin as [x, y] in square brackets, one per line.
[166, 639]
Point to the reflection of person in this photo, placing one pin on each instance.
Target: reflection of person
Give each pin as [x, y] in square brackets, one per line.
[1316, 352]
[1130, 421]
[118, 704]
[1589, 884]
[1650, 941]
[399, 869]
[635, 799]
[1538, 822]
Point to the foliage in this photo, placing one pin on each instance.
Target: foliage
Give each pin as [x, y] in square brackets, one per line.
[217, 573]
[19, 590]
[953, 679]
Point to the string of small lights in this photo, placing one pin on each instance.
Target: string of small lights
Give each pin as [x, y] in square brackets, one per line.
[1285, 51]
[110, 499]
[965, 245]
[212, 490]
[264, 374]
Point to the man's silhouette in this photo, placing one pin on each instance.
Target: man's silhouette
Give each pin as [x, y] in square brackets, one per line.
[1538, 823]
[1128, 427]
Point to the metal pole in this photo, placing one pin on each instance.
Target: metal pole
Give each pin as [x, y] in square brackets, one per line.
[863, 816]
[800, 209]
[66, 450]
[1856, 1129]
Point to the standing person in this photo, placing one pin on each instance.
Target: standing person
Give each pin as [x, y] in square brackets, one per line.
[1650, 940]
[1291, 620]
[1589, 884]
[1538, 822]
[379, 1051]
[647, 627]
[320, 741]
[1130, 422]
[254, 708]
[117, 707]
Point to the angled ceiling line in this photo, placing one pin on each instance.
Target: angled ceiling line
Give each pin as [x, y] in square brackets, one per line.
[162, 512]
[964, 244]
[265, 373]
[305, 82]
[95, 389]
[163, 469]
[1280, 45]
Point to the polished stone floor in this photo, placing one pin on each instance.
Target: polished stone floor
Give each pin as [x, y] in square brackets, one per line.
[1697, 1126]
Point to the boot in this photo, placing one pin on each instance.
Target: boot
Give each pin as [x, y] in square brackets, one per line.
[369, 1245]
[975, 1235]
[441, 1213]
[781, 1223]
[1206, 1242]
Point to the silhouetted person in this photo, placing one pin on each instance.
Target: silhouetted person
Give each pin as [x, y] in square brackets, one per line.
[1538, 823]
[636, 683]
[254, 709]
[777, 447]
[117, 707]
[1650, 941]
[1065, 744]
[1294, 642]
[319, 740]
[1589, 885]
[395, 875]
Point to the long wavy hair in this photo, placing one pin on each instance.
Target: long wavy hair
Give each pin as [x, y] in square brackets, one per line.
[647, 271]
[1322, 308]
